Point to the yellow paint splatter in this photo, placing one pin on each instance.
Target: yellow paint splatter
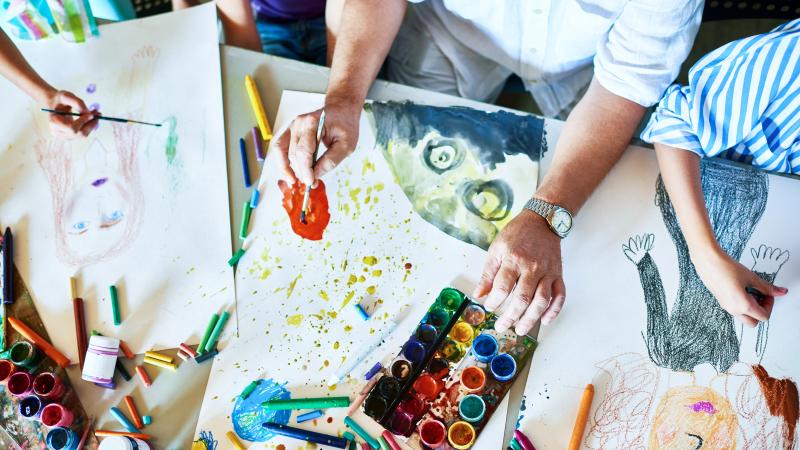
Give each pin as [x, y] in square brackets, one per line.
[295, 320]
[324, 295]
[377, 273]
[265, 273]
[347, 299]
[370, 260]
[326, 363]
[351, 280]
[379, 187]
[336, 345]
[362, 278]
[290, 289]
[371, 290]
[348, 328]
[367, 167]
[332, 314]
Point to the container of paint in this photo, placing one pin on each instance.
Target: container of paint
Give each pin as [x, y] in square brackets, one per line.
[62, 439]
[432, 433]
[503, 367]
[48, 386]
[462, 333]
[452, 351]
[485, 347]
[56, 415]
[427, 386]
[414, 351]
[474, 314]
[473, 379]
[20, 384]
[375, 406]
[30, 407]
[6, 369]
[472, 408]
[123, 443]
[439, 368]
[402, 423]
[426, 334]
[438, 317]
[101, 358]
[24, 354]
[450, 299]
[414, 406]
[388, 387]
[401, 369]
[461, 435]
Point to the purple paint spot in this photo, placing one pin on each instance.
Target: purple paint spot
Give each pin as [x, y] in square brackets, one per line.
[99, 182]
[91, 88]
[703, 406]
[94, 107]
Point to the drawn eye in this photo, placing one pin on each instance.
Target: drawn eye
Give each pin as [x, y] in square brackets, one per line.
[113, 218]
[441, 156]
[490, 200]
[79, 227]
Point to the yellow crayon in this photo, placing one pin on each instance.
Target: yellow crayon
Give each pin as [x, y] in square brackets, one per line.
[234, 440]
[158, 356]
[258, 108]
[159, 363]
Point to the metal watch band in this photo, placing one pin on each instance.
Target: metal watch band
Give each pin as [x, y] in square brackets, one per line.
[540, 207]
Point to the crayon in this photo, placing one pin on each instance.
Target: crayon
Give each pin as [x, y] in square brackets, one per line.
[583, 415]
[307, 403]
[215, 333]
[99, 117]
[514, 444]
[159, 363]
[122, 371]
[115, 305]
[361, 432]
[362, 395]
[80, 329]
[126, 350]
[189, 351]
[147, 420]
[258, 145]
[383, 444]
[305, 435]
[245, 165]
[143, 376]
[373, 371]
[254, 197]
[158, 356]
[361, 311]
[310, 416]
[236, 257]
[258, 108]
[209, 328]
[123, 420]
[390, 440]
[234, 440]
[40, 342]
[249, 389]
[8, 267]
[137, 419]
[206, 356]
[523, 440]
[182, 355]
[108, 433]
[245, 220]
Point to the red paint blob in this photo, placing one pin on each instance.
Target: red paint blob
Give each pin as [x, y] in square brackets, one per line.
[408, 266]
[329, 420]
[317, 216]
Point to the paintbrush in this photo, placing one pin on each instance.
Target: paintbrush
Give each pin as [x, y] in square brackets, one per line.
[307, 197]
[112, 119]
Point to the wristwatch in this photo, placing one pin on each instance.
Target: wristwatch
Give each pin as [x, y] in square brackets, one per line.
[558, 219]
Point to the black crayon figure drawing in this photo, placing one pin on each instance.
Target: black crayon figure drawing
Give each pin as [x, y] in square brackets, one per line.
[455, 168]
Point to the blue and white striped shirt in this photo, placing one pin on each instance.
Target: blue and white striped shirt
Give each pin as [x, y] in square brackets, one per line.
[742, 102]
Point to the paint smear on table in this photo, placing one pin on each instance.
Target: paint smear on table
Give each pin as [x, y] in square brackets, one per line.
[317, 216]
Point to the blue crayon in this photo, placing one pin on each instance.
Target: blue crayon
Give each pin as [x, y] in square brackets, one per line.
[123, 420]
[309, 416]
[254, 199]
[373, 371]
[206, 356]
[361, 311]
[305, 435]
[245, 166]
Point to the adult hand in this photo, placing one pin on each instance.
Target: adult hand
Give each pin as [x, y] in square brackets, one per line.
[728, 280]
[523, 273]
[296, 145]
[68, 127]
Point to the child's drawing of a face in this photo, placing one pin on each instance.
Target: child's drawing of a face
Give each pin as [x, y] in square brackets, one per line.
[448, 161]
[693, 417]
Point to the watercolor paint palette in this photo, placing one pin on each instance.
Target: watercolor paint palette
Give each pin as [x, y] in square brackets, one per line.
[449, 377]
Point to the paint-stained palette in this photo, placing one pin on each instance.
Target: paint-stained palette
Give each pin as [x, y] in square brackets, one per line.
[449, 377]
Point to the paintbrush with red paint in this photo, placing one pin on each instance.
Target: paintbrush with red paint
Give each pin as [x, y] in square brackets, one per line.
[307, 197]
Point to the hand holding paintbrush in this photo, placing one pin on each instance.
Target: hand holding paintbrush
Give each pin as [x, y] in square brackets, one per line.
[307, 197]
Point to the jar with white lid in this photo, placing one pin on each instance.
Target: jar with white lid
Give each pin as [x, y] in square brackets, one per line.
[123, 443]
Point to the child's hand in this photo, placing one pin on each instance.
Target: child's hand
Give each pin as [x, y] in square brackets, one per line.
[728, 280]
[68, 127]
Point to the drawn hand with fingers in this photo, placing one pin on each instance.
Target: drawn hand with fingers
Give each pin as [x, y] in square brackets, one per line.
[638, 246]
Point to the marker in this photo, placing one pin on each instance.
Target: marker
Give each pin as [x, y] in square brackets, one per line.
[158, 356]
[108, 433]
[123, 420]
[258, 145]
[245, 166]
[258, 108]
[212, 340]
[254, 197]
[245, 220]
[362, 395]
[111, 119]
[159, 363]
[206, 356]
[304, 435]
[361, 311]
[137, 419]
[115, 305]
[209, 329]
[351, 363]
[583, 415]
[40, 342]
[234, 440]
[309, 416]
[306, 403]
[361, 432]
[307, 196]
[523, 440]
[8, 267]
[143, 376]
[80, 329]
[236, 257]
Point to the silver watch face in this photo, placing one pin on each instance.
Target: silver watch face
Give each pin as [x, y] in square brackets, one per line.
[561, 221]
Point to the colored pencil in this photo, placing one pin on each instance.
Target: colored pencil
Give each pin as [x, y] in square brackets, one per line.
[307, 403]
[523, 440]
[127, 424]
[111, 119]
[80, 329]
[158, 356]
[582, 417]
[108, 433]
[258, 145]
[258, 108]
[218, 327]
[305, 435]
[126, 350]
[245, 221]
[362, 395]
[143, 376]
[245, 165]
[353, 425]
[307, 196]
[115, 305]
[209, 329]
[85, 434]
[234, 440]
[137, 419]
[159, 363]
[8, 267]
[40, 342]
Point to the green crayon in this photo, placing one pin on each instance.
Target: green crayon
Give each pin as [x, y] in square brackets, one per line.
[212, 340]
[245, 221]
[213, 322]
[307, 403]
[115, 305]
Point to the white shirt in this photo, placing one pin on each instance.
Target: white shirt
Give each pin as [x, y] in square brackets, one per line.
[636, 46]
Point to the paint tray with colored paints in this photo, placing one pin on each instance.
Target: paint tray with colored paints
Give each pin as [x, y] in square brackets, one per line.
[449, 377]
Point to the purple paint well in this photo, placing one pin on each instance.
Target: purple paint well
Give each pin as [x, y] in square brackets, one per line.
[99, 182]
[703, 406]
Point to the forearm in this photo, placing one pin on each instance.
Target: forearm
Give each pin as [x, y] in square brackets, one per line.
[16, 69]
[365, 35]
[239, 24]
[594, 137]
[680, 171]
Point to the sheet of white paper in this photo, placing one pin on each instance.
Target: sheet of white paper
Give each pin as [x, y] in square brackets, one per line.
[600, 337]
[141, 207]
[296, 297]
